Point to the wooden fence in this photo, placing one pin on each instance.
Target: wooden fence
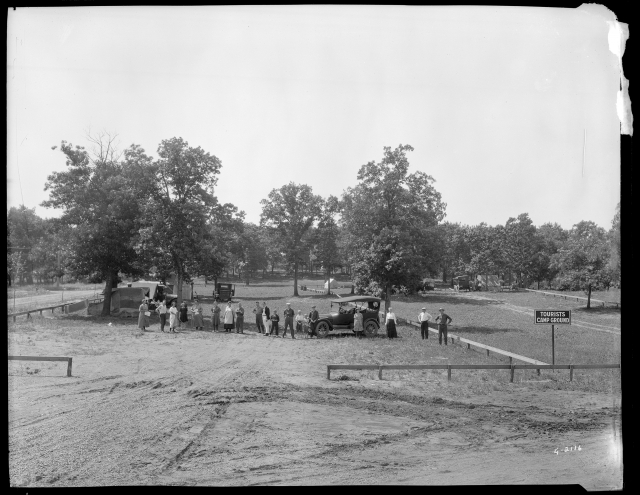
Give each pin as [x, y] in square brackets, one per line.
[52, 308]
[43, 358]
[449, 367]
[577, 298]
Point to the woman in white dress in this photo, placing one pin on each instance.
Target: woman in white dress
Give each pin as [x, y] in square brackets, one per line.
[228, 318]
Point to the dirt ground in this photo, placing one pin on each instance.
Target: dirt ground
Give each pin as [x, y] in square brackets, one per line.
[204, 408]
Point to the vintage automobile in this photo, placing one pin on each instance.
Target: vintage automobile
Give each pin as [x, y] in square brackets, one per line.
[462, 282]
[224, 292]
[156, 292]
[343, 318]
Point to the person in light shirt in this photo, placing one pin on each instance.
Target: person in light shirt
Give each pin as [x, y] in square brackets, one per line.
[424, 319]
[162, 311]
[391, 324]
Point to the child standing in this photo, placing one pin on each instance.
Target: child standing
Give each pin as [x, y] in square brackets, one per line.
[299, 320]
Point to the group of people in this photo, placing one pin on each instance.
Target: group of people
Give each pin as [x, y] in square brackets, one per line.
[268, 323]
[443, 320]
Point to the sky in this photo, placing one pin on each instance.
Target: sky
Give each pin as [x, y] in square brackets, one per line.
[510, 109]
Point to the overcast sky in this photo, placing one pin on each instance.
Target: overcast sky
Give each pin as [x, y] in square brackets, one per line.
[495, 100]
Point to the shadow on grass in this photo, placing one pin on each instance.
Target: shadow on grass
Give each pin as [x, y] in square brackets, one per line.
[450, 300]
[598, 310]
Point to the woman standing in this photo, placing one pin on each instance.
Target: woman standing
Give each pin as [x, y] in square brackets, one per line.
[198, 322]
[357, 322]
[299, 320]
[215, 319]
[143, 319]
[228, 318]
[391, 324]
[173, 317]
[184, 314]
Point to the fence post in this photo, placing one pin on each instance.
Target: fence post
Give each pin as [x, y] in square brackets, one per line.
[449, 372]
[380, 373]
[328, 373]
[468, 346]
[69, 367]
[512, 370]
[487, 352]
[571, 372]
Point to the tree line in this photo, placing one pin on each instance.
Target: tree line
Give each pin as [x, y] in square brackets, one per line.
[126, 214]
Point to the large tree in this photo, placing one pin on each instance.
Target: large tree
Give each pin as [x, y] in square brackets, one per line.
[174, 228]
[583, 260]
[290, 211]
[99, 197]
[25, 231]
[519, 245]
[390, 219]
[325, 238]
[616, 248]
[550, 237]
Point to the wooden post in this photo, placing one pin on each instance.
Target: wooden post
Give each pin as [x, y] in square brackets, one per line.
[512, 370]
[538, 370]
[510, 359]
[468, 346]
[69, 367]
[571, 372]
[328, 373]
[40, 312]
[553, 345]
[380, 373]
[449, 372]
[487, 352]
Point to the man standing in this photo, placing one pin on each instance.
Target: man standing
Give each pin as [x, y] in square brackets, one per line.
[313, 319]
[266, 318]
[258, 312]
[162, 311]
[424, 319]
[239, 318]
[288, 321]
[443, 320]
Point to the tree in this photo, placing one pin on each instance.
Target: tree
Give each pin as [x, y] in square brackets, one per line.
[390, 220]
[614, 240]
[290, 211]
[550, 237]
[26, 230]
[254, 252]
[583, 260]
[455, 253]
[325, 238]
[519, 245]
[99, 199]
[174, 224]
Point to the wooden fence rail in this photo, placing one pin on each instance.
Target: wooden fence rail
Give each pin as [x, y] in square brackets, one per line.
[52, 308]
[43, 358]
[449, 367]
[577, 298]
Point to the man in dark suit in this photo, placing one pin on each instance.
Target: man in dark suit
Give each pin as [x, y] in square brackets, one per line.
[267, 313]
[288, 321]
[313, 319]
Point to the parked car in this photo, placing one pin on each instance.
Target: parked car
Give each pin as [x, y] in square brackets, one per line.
[462, 282]
[224, 292]
[343, 318]
[156, 292]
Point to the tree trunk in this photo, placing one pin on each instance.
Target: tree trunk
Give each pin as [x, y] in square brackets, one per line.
[295, 278]
[328, 281]
[444, 274]
[352, 289]
[205, 280]
[589, 298]
[111, 283]
[179, 287]
[387, 298]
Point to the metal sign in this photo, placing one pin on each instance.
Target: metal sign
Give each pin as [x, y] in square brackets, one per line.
[552, 317]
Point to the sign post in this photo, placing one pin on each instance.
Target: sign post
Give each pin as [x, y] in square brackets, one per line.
[553, 317]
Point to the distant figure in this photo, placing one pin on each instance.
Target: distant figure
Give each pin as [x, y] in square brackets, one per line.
[313, 320]
[288, 321]
[266, 318]
[173, 317]
[357, 322]
[198, 322]
[443, 320]
[162, 311]
[215, 318]
[391, 324]
[299, 321]
[275, 319]
[239, 319]
[184, 314]
[424, 319]
[228, 318]
[143, 319]
[259, 323]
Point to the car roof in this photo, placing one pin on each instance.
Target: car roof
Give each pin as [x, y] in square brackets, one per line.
[356, 299]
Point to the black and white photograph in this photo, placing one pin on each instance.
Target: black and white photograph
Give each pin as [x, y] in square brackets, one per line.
[426, 199]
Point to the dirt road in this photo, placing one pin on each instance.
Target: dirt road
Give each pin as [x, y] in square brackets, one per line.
[50, 299]
[223, 409]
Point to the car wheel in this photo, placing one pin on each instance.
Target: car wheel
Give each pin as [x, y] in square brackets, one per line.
[371, 328]
[322, 329]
